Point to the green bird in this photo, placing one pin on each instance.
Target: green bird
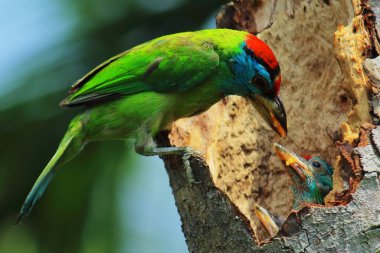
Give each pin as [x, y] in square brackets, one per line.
[311, 177]
[141, 91]
[311, 182]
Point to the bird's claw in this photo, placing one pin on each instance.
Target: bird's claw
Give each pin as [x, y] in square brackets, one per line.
[187, 153]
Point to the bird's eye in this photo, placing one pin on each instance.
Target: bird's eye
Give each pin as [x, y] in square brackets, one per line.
[316, 164]
[259, 82]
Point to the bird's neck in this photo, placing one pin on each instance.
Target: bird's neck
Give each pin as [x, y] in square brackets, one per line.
[227, 82]
[305, 197]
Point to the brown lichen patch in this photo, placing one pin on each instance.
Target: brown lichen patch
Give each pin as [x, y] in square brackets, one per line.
[365, 131]
[350, 170]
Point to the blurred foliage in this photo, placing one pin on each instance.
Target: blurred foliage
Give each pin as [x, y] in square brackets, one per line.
[79, 211]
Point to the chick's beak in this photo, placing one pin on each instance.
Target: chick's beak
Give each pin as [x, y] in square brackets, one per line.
[265, 219]
[293, 161]
[272, 111]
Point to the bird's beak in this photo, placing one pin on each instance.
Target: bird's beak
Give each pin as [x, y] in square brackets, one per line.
[266, 219]
[292, 160]
[272, 111]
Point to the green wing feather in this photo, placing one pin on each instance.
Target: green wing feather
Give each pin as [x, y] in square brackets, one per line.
[173, 63]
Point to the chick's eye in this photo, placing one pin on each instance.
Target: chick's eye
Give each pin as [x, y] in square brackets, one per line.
[259, 82]
[316, 164]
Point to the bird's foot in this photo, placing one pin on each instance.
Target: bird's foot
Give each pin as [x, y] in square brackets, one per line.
[187, 153]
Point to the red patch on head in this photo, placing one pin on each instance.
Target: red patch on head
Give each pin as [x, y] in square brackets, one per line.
[307, 157]
[261, 50]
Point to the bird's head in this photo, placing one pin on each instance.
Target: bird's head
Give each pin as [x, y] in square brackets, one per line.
[311, 176]
[323, 173]
[256, 75]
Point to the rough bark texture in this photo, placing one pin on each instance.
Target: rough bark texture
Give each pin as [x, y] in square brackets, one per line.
[321, 47]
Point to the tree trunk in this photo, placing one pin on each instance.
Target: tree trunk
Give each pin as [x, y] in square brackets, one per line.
[331, 81]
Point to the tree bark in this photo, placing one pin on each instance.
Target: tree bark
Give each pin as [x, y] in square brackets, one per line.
[326, 50]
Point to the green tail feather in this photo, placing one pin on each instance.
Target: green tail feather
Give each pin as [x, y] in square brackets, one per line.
[70, 145]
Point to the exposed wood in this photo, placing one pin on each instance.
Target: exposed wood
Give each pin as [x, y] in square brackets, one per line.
[330, 92]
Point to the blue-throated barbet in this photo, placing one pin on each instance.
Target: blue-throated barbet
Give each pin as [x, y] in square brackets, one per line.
[141, 91]
[311, 182]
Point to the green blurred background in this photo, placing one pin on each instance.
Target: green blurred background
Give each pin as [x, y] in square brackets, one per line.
[108, 199]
